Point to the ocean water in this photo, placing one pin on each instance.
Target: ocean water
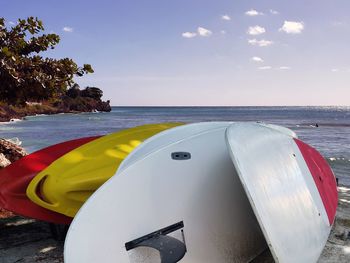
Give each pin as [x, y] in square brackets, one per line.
[331, 137]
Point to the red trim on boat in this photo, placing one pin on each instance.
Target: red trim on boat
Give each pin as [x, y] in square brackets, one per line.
[323, 177]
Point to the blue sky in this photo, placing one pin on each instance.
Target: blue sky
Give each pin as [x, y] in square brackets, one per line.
[203, 52]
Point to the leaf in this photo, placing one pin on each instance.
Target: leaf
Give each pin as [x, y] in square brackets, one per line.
[6, 51]
[88, 68]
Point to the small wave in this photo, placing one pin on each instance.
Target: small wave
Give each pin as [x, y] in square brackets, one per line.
[341, 159]
[36, 115]
[11, 121]
[15, 120]
[14, 140]
[343, 189]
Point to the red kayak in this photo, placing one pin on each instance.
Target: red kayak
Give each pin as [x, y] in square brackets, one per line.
[15, 178]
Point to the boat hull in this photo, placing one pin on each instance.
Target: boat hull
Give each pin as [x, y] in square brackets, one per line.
[191, 180]
[282, 191]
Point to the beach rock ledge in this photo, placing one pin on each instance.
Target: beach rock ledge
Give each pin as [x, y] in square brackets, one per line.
[10, 152]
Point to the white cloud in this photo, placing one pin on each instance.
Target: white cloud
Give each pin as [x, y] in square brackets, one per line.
[189, 34]
[292, 27]
[12, 23]
[265, 67]
[253, 12]
[274, 12]
[337, 23]
[257, 59]
[67, 29]
[226, 17]
[201, 31]
[204, 32]
[255, 30]
[223, 32]
[335, 70]
[284, 68]
[260, 43]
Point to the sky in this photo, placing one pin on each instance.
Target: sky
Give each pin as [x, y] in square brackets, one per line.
[202, 52]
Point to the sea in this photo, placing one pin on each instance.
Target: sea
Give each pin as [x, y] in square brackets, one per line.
[325, 128]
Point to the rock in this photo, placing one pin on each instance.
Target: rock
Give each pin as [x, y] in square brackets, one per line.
[4, 161]
[104, 106]
[10, 151]
[5, 214]
[86, 100]
[83, 104]
[74, 101]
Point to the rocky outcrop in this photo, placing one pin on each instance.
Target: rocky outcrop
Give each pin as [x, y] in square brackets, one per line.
[74, 101]
[10, 152]
[85, 100]
[10, 112]
[83, 104]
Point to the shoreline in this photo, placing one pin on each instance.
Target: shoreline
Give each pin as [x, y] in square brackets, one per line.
[10, 115]
[80, 102]
[10, 121]
[14, 120]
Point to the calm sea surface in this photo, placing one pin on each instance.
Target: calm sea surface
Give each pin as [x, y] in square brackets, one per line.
[331, 138]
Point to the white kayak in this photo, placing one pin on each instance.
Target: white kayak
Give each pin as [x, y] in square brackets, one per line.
[290, 187]
[184, 185]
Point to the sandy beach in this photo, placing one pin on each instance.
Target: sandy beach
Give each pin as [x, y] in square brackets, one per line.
[338, 246]
[27, 240]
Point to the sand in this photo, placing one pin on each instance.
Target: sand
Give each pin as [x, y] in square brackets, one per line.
[337, 248]
[26, 240]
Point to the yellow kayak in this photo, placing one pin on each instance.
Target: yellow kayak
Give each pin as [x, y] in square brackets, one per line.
[69, 181]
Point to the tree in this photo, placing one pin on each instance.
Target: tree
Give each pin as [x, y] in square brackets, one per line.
[92, 92]
[24, 74]
[74, 91]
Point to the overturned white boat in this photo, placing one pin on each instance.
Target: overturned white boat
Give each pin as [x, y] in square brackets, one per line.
[210, 192]
[291, 189]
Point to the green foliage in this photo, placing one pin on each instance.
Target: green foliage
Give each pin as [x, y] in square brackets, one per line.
[89, 92]
[92, 92]
[24, 74]
[74, 91]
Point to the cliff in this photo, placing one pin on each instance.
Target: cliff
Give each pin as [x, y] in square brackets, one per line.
[74, 101]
